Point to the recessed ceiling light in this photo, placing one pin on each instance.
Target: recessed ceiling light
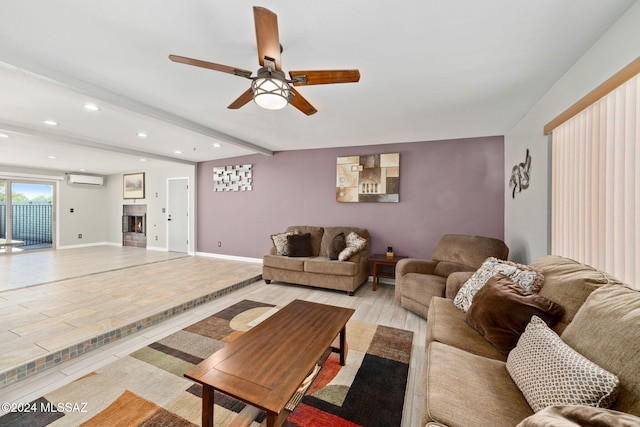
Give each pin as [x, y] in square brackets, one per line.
[178, 152]
[51, 122]
[91, 107]
[82, 170]
[4, 135]
[51, 157]
[143, 160]
[142, 134]
[216, 145]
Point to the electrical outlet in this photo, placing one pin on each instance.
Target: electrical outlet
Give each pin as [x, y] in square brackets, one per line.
[156, 237]
[80, 236]
[219, 244]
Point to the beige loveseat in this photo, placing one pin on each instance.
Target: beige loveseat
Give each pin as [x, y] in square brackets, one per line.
[318, 270]
[466, 381]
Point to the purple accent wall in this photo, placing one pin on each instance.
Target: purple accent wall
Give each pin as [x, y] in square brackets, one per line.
[453, 186]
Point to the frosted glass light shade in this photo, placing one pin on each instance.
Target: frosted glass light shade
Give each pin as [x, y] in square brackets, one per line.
[270, 93]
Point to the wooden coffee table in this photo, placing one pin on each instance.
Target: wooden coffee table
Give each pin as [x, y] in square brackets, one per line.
[265, 366]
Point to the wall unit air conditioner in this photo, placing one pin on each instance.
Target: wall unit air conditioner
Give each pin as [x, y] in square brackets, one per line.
[86, 179]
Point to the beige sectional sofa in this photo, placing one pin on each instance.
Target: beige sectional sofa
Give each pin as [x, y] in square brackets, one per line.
[318, 270]
[466, 379]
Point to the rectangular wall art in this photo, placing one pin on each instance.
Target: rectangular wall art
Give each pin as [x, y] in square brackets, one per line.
[133, 186]
[233, 178]
[372, 178]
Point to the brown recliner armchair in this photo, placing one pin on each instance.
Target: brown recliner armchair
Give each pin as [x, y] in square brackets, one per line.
[417, 281]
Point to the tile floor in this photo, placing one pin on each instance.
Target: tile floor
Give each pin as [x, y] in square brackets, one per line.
[43, 325]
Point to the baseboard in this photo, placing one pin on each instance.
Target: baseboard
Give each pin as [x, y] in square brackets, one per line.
[157, 248]
[230, 257]
[383, 280]
[86, 245]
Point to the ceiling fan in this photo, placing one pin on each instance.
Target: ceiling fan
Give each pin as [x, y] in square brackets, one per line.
[270, 88]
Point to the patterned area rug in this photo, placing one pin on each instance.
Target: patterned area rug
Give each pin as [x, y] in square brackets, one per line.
[147, 388]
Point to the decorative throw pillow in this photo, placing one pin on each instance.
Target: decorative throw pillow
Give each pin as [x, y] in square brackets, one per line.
[527, 277]
[338, 244]
[355, 244]
[501, 311]
[280, 241]
[578, 415]
[548, 372]
[299, 245]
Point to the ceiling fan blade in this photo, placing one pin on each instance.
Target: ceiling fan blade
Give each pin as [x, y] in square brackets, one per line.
[242, 99]
[302, 104]
[321, 77]
[210, 65]
[267, 35]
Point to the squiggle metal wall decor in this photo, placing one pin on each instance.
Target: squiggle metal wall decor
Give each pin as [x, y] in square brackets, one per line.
[520, 176]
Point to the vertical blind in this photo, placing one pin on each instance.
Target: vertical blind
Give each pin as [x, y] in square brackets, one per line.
[595, 200]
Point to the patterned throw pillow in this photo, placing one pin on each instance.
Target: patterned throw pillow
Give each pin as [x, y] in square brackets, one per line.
[280, 241]
[355, 244]
[527, 277]
[548, 372]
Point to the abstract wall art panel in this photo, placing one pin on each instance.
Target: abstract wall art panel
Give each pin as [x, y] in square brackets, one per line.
[371, 178]
[233, 178]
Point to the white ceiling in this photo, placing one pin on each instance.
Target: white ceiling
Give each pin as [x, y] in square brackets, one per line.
[430, 70]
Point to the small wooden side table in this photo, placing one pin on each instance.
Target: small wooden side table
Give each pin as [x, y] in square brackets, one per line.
[381, 260]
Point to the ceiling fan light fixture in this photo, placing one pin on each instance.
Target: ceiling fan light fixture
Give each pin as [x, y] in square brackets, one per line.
[270, 90]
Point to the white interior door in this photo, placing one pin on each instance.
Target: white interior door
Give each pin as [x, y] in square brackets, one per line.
[178, 214]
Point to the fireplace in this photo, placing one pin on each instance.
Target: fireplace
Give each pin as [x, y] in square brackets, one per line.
[134, 225]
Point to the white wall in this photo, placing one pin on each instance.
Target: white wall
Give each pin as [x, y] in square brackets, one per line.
[89, 206]
[97, 210]
[526, 216]
[156, 200]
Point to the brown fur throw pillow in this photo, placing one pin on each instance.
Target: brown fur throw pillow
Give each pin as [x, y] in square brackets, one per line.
[502, 309]
[337, 245]
[299, 245]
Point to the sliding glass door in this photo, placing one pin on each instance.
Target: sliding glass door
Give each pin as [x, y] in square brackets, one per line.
[27, 214]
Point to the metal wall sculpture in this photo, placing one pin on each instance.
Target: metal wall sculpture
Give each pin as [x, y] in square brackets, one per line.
[233, 178]
[520, 175]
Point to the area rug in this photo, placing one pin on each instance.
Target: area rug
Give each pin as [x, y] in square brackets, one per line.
[147, 388]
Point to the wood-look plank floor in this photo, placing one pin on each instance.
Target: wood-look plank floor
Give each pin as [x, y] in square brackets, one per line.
[374, 307]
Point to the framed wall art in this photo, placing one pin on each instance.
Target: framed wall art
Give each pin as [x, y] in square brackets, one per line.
[370, 178]
[133, 186]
